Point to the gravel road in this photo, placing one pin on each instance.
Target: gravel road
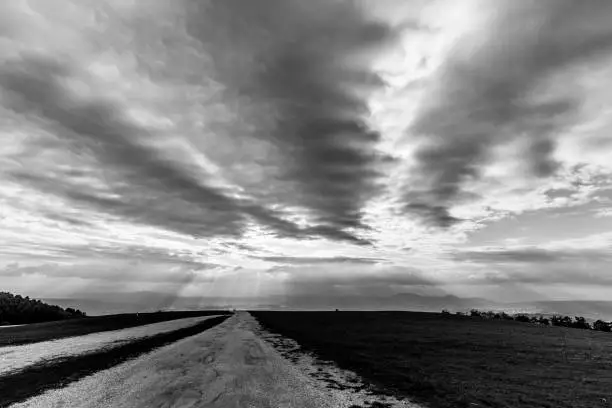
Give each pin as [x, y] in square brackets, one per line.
[17, 357]
[228, 366]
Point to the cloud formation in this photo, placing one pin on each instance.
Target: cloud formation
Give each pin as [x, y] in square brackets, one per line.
[253, 148]
[483, 97]
[347, 279]
[534, 265]
[144, 186]
[305, 63]
[313, 260]
[532, 255]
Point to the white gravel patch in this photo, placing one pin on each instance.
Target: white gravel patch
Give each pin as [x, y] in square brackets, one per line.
[13, 358]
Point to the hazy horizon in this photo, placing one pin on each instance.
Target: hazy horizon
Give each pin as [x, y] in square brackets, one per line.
[294, 148]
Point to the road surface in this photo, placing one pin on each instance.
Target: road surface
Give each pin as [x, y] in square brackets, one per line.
[228, 366]
[13, 358]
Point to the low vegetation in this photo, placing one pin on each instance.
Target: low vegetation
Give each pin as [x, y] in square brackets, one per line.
[446, 360]
[32, 333]
[577, 322]
[16, 309]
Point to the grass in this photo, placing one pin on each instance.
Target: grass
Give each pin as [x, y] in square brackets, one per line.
[34, 380]
[32, 333]
[448, 361]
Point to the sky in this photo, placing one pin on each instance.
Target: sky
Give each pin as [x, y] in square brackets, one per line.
[236, 148]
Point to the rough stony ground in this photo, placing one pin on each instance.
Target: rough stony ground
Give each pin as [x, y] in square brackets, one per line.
[228, 366]
[13, 358]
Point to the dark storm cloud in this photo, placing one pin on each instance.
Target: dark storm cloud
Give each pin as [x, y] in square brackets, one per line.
[149, 188]
[480, 99]
[295, 58]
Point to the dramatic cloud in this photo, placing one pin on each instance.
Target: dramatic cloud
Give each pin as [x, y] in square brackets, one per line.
[270, 149]
[484, 97]
[147, 187]
[303, 62]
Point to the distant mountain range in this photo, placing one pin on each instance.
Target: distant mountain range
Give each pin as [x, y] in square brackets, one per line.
[151, 301]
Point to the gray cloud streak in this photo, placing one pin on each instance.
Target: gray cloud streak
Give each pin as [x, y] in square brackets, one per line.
[366, 280]
[302, 71]
[481, 99]
[150, 189]
[308, 260]
[534, 255]
[113, 273]
[294, 57]
[541, 266]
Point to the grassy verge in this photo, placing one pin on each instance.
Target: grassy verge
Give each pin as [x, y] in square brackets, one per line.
[454, 361]
[36, 379]
[33, 333]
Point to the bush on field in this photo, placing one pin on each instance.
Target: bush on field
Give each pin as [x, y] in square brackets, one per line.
[600, 325]
[543, 321]
[580, 323]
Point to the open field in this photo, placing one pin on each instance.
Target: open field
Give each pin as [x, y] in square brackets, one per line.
[448, 361]
[18, 357]
[34, 379]
[31, 333]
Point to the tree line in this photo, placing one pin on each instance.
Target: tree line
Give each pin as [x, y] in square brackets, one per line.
[16, 309]
[577, 322]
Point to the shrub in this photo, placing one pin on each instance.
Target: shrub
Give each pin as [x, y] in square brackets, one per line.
[600, 325]
[562, 321]
[580, 323]
[544, 321]
[522, 318]
[488, 315]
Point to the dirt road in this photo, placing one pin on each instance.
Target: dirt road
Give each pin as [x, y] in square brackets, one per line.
[18, 357]
[227, 366]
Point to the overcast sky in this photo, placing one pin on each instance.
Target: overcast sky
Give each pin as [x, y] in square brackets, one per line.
[256, 148]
